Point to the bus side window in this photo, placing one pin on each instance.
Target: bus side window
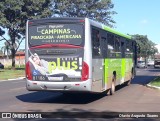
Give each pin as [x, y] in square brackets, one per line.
[129, 48]
[95, 43]
[134, 52]
[111, 49]
[123, 47]
[117, 47]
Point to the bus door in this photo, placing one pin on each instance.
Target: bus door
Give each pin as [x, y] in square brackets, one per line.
[98, 40]
[123, 65]
[96, 61]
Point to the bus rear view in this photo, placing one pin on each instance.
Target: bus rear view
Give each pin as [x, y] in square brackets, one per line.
[55, 57]
[77, 54]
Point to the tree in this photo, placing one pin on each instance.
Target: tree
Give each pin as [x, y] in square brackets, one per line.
[99, 10]
[2, 32]
[145, 46]
[6, 49]
[14, 14]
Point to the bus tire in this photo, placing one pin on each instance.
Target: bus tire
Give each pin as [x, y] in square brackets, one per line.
[112, 89]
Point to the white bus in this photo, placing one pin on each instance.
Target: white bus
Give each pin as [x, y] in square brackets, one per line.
[77, 54]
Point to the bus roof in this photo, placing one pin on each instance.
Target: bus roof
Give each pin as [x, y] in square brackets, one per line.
[115, 32]
[104, 27]
[94, 23]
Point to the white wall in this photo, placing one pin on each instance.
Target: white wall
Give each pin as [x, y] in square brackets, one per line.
[8, 62]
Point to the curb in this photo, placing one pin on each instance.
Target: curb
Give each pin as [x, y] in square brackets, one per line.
[13, 79]
[153, 87]
[17, 78]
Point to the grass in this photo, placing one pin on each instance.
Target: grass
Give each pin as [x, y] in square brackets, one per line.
[10, 74]
[155, 82]
[17, 67]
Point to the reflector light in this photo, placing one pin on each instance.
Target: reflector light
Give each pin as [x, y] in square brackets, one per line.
[82, 20]
[28, 71]
[30, 22]
[85, 71]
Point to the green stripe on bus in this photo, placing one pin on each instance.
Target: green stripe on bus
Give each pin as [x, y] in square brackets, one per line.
[123, 68]
[117, 65]
[115, 32]
[106, 74]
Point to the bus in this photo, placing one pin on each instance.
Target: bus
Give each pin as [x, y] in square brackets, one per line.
[77, 55]
[157, 61]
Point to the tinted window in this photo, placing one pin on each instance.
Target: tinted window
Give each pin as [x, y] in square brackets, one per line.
[117, 47]
[117, 44]
[129, 48]
[96, 51]
[123, 45]
[111, 47]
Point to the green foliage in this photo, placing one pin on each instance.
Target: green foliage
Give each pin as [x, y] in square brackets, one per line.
[2, 32]
[155, 82]
[145, 46]
[6, 48]
[11, 74]
[99, 10]
[14, 14]
[17, 67]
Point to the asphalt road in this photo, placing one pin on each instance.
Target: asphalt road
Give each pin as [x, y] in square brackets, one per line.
[134, 98]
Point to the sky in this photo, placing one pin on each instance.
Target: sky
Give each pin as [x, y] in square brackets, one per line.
[136, 17]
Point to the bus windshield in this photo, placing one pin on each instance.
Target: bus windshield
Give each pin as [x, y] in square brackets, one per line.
[56, 34]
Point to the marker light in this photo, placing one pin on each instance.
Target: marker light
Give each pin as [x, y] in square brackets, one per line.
[85, 71]
[28, 71]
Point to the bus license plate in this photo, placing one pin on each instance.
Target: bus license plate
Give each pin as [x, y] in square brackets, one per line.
[55, 78]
